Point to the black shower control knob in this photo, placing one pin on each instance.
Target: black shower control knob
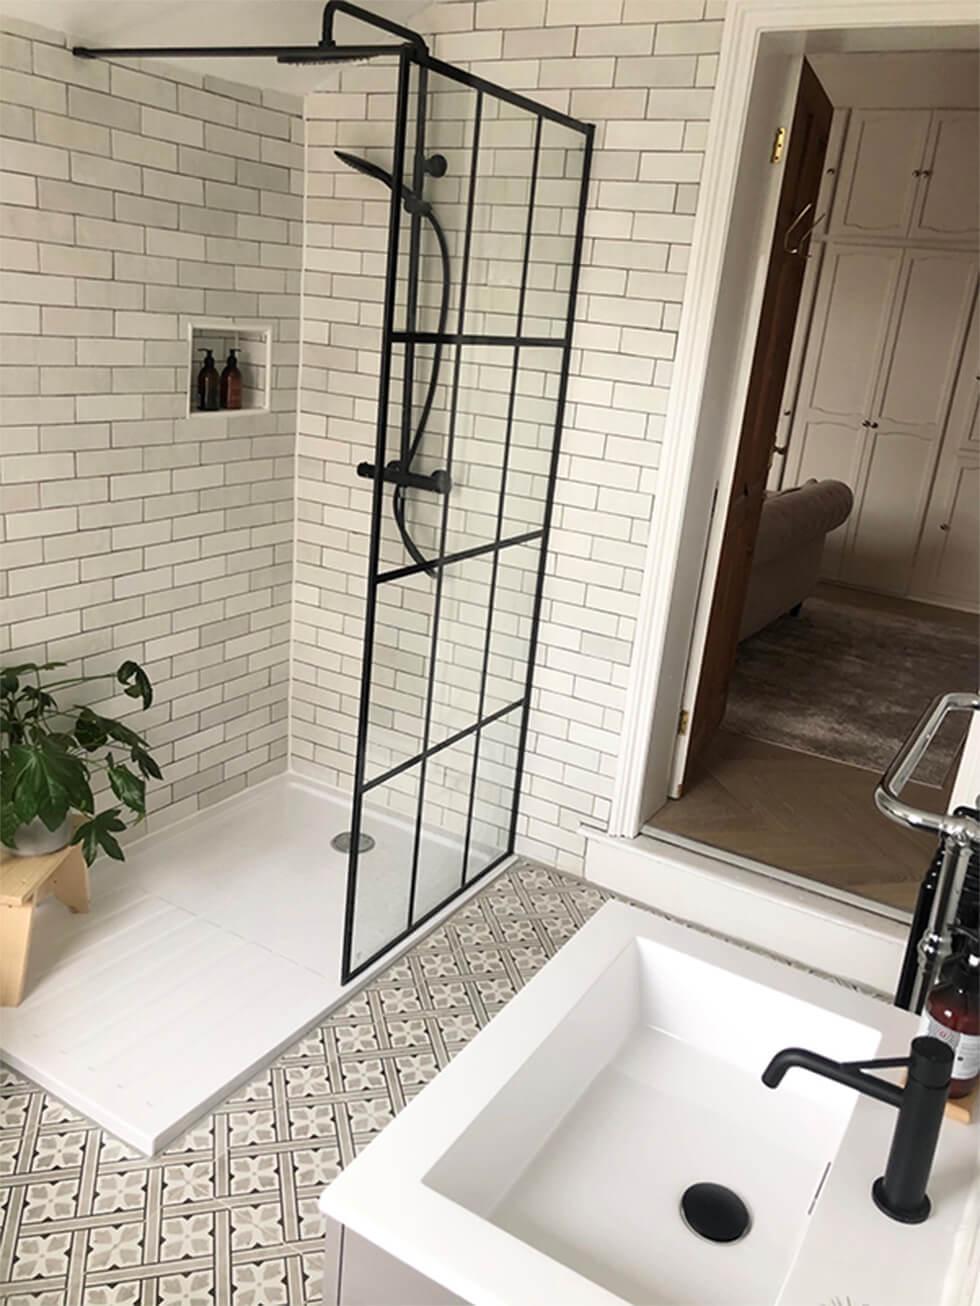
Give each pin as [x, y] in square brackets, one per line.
[436, 165]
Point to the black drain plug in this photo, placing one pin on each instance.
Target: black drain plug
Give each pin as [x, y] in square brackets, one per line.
[715, 1212]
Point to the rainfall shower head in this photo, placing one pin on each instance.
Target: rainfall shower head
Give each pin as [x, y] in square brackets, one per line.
[329, 54]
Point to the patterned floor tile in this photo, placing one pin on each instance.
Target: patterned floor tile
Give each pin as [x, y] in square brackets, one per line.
[227, 1213]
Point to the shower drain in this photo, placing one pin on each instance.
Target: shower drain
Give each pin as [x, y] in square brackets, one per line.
[342, 842]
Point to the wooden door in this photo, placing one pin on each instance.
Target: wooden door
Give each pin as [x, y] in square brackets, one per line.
[948, 208]
[804, 161]
[947, 566]
[933, 301]
[881, 171]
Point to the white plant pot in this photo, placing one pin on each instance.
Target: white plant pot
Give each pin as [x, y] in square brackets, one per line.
[35, 839]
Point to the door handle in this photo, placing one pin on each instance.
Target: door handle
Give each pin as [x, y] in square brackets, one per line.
[798, 247]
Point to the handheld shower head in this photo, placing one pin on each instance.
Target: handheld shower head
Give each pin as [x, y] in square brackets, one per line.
[364, 166]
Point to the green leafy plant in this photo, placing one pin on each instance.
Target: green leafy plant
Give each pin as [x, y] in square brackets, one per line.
[49, 754]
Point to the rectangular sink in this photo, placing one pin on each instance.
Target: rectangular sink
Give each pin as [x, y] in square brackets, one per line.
[650, 1084]
[548, 1161]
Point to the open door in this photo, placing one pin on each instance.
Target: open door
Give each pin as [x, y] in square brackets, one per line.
[795, 217]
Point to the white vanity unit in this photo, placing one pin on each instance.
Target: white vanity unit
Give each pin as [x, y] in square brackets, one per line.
[545, 1166]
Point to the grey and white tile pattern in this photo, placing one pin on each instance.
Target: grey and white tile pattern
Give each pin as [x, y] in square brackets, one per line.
[228, 1213]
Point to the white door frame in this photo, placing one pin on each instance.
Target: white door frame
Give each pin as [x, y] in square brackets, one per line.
[669, 596]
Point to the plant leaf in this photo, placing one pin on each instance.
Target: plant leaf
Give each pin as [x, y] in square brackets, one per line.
[90, 730]
[137, 682]
[10, 676]
[128, 788]
[9, 824]
[98, 833]
[146, 764]
[47, 781]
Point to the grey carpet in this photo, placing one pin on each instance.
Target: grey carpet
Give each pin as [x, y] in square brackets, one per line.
[849, 683]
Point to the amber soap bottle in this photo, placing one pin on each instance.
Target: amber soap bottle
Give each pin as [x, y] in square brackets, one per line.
[952, 1013]
[231, 383]
[207, 384]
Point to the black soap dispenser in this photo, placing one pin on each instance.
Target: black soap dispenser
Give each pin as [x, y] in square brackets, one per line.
[208, 383]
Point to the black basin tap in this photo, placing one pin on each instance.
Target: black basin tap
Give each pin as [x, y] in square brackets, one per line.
[901, 1191]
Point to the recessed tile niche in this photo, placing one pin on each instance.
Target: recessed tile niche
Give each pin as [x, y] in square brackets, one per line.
[251, 343]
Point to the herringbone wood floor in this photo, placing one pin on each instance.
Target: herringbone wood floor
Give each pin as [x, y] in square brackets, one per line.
[804, 814]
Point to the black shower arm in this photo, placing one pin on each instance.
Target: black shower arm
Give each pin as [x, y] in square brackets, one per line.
[352, 52]
[286, 53]
[373, 20]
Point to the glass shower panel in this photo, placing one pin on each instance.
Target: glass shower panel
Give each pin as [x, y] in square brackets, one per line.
[381, 906]
[492, 795]
[508, 646]
[553, 230]
[475, 343]
[537, 383]
[442, 826]
[403, 623]
[457, 663]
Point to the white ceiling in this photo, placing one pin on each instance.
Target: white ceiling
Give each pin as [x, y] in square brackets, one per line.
[213, 22]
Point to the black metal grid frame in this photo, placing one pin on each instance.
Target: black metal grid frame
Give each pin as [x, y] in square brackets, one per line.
[409, 337]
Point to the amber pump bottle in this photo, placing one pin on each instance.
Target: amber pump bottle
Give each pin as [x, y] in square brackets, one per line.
[231, 383]
[952, 1013]
[207, 384]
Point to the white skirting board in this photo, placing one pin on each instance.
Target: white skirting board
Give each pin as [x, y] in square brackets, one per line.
[838, 938]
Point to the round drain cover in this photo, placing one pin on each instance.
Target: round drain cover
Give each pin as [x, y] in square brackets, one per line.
[715, 1212]
[342, 842]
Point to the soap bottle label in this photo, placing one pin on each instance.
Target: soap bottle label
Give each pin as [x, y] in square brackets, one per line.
[966, 1047]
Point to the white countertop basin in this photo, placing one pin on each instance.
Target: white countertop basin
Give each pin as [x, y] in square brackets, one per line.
[546, 1164]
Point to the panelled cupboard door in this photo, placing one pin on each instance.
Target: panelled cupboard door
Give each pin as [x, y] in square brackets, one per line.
[948, 206]
[828, 450]
[922, 355]
[947, 567]
[850, 322]
[887, 517]
[950, 545]
[880, 172]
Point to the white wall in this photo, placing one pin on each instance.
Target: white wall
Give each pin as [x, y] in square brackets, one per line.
[130, 203]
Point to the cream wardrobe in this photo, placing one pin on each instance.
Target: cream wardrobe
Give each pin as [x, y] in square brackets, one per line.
[886, 395]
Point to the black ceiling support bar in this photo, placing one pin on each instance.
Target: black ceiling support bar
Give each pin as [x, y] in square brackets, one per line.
[328, 51]
[374, 20]
[300, 52]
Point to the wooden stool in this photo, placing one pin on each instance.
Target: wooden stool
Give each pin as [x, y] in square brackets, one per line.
[24, 881]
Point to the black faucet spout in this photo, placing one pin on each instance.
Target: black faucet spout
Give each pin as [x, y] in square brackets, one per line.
[850, 1073]
[900, 1193]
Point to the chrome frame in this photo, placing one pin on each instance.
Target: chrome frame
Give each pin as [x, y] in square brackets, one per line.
[961, 837]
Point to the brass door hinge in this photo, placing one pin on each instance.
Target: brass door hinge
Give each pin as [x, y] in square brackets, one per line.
[684, 722]
[778, 142]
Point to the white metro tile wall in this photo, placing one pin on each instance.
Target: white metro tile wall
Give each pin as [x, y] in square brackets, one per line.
[134, 199]
[642, 70]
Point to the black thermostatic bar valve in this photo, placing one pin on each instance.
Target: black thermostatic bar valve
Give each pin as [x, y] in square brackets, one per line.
[438, 482]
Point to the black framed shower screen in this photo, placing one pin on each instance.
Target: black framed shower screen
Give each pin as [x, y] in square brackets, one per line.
[449, 643]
